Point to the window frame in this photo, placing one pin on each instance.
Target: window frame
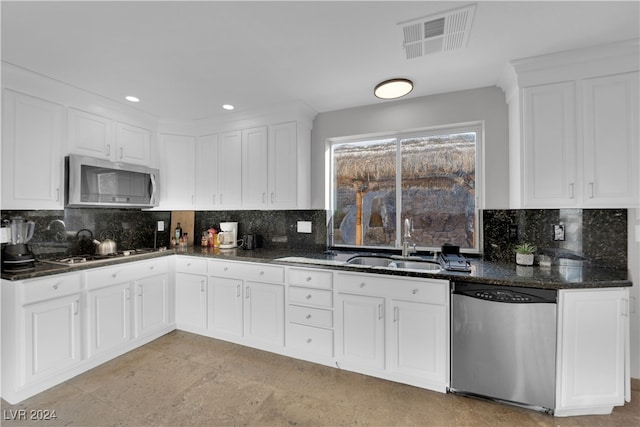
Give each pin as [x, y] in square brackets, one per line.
[454, 128]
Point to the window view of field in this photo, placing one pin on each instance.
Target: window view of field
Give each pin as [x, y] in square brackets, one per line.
[436, 180]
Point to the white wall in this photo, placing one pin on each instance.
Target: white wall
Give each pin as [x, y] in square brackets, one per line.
[486, 104]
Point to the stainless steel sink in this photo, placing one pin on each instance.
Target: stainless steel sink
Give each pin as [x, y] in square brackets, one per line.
[391, 262]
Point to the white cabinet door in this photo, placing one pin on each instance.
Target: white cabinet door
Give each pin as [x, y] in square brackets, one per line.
[283, 166]
[152, 304]
[230, 170]
[191, 301]
[89, 134]
[32, 155]
[360, 331]
[591, 350]
[611, 140]
[549, 136]
[109, 318]
[254, 168]
[207, 196]
[225, 306]
[133, 144]
[177, 175]
[52, 337]
[264, 313]
[418, 341]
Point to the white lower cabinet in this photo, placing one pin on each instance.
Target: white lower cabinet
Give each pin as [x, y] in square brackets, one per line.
[225, 302]
[264, 313]
[246, 303]
[52, 337]
[394, 328]
[151, 304]
[593, 337]
[191, 301]
[109, 317]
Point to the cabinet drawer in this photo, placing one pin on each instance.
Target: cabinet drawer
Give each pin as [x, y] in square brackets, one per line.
[425, 290]
[51, 287]
[151, 267]
[309, 339]
[311, 316]
[126, 272]
[192, 265]
[313, 297]
[311, 278]
[247, 271]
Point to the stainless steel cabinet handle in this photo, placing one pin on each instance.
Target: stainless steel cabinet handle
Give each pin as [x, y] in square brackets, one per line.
[571, 188]
[396, 313]
[264, 197]
[308, 279]
[362, 285]
[76, 307]
[415, 291]
[139, 290]
[220, 198]
[591, 190]
[238, 291]
[213, 199]
[128, 294]
[380, 311]
[121, 152]
[108, 150]
[308, 316]
[247, 291]
[56, 286]
[202, 286]
[309, 296]
[273, 196]
[308, 340]
[58, 194]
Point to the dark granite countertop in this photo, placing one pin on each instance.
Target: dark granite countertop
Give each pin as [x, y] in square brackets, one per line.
[554, 277]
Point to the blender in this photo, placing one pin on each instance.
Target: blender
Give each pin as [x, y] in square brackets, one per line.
[16, 255]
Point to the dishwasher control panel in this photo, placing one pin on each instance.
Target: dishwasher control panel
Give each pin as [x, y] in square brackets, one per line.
[504, 296]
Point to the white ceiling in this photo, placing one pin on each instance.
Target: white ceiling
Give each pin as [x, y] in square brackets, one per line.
[185, 59]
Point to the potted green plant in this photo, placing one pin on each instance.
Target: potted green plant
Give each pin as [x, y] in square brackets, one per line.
[525, 253]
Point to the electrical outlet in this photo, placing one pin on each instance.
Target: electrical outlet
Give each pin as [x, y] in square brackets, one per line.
[160, 225]
[304, 226]
[558, 232]
[5, 234]
[513, 232]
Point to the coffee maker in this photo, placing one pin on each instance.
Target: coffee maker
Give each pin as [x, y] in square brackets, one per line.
[17, 255]
[228, 235]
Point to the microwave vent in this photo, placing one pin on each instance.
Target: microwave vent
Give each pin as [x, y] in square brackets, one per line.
[443, 32]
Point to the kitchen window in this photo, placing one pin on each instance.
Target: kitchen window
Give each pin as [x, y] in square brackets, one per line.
[431, 177]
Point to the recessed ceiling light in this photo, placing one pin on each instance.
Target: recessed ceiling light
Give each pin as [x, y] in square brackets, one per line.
[131, 98]
[394, 88]
[228, 107]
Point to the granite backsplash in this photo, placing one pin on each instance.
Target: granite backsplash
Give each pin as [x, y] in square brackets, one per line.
[69, 231]
[594, 236]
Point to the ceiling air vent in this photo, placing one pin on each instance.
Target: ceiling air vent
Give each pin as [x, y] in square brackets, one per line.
[442, 32]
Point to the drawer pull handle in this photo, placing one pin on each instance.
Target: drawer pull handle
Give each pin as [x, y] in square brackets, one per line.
[151, 267]
[308, 316]
[55, 287]
[308, 340]
[114, 275]
[308, 278]
[261, 273]
[202, 286]
[309, 296]
[188, 264]
[362, 285]
[226, 268]
[415, 291]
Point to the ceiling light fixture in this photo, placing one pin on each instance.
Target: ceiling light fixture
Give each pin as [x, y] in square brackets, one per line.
[228, 107]
[131, 98]
[393, 88]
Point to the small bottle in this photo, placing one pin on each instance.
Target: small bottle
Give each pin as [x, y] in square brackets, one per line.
[185, 239]
[204, 241]
[178, 232]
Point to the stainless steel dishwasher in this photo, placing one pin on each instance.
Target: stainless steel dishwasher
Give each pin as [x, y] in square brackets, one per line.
[503, 343]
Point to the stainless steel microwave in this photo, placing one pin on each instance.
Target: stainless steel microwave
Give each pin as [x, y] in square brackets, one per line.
[92, 182]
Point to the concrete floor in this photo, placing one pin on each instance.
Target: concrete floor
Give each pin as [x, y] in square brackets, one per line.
[183, 379]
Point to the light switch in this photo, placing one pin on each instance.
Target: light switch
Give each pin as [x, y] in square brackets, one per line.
[304, 226]
[5, 234]
[160, 225]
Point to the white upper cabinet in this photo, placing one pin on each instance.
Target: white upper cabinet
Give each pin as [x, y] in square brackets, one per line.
[32, 157]
[574, 128]
[254, 168]
[611, 138]
[96, 136]
[132, 144]
[549, 144]
[177, 176]
[207, 193]
[230, 170]
[287, 164]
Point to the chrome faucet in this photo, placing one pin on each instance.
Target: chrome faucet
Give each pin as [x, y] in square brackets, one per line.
[406, 238]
